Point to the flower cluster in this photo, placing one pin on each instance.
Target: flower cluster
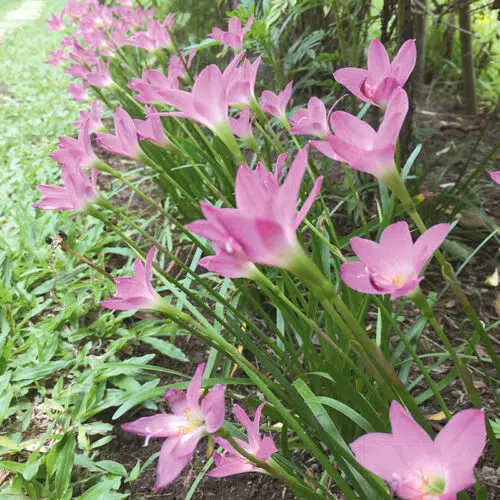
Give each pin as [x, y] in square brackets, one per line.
[191, 420]
[258, 225]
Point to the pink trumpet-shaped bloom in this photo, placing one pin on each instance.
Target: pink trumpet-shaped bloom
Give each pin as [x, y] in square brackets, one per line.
[93, 117]
[234, 35]
[242, 126]
[78, 191]
[78, 91]
[77, 152]
[274, 104]
[189, 421]
[392, 266]
[312, 120]
[124, 142]
[151, 129]
[56, 23]
[207, 103]
[156, 37]
[262, 228]
[241, 83]
[376, 84]
[417, 467]
[135, 292]
[176, 68]
[100, 76]
[230, 462]
[57, 58]
[151, 85]
[495, 176]
[356, 143]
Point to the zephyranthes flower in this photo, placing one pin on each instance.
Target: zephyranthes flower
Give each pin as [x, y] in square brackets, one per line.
[417, 467]
[356, 143]
[135, 292]
[262, 228]
[377, 84]
[231, 462]
[234, 35]
[392, 266]
[77, 193]
[189, 421]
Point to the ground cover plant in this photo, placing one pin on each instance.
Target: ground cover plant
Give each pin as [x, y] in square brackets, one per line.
[189, 273]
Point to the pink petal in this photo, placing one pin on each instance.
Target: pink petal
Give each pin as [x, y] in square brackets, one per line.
[213, 408]
[193, 392]
[160, 425]
[379, 65]
[416, 447]
[227, 265]
[266, 449]
[289, 192]
[353, 79]
[355, 276]
[372, 255]
[427, 244]
[325, 148]
[210, 96]
[176, 400]
[395, 115]
[495, 176]
[306, 206]
[352, 130]
[377, 453]
[462, 440]
[404, 62]
[174, 456]
[384, 91]
[229, 466]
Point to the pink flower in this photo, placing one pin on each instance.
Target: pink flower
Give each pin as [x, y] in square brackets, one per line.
[312, 120]
[207, 103]
[78, 91]
[241, 83]
[189, 421]
[156, 37]
[393, 265]
[262, 229]
[57, 58]
[125, 142]
[78, 192]
[135, 292]
[56, 23]
[242, 126]
[77, 70]
[274, 104]
[230, 462]
[151, 129]
[233, 37]
[377, 84]
[417, 467]
[176, 68]
[495, 176]
[356, 143]
[151, 85]
[100, 76]
[93, 117]
[77, 152]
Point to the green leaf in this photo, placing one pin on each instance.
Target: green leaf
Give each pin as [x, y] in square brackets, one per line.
[166, 348]
[65, 460]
